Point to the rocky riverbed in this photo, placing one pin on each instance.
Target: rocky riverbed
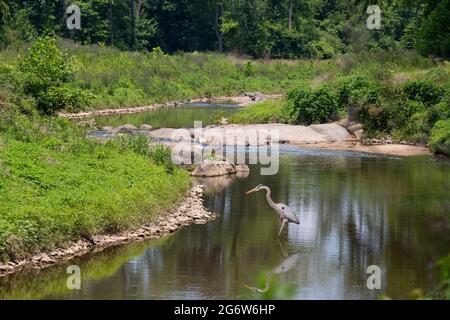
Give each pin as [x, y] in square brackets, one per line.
[191, 211]
[342, 135]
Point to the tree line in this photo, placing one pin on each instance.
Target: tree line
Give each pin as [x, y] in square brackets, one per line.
[259, 28]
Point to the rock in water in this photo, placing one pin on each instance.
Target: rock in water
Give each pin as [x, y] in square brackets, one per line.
[215, 168]
[146, 127]
[242, 168]
[127, 128]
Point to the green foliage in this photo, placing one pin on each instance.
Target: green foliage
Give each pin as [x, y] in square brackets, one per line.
[217, 117]
[118, 79]
[313, 105]
[46, 73]
[162, 156]
[259, 28]
[434, 34]
[440, 137]
[249, 70]
[269, 111]
[138, 143]
[423, 91]
[357, 90]
[58, 186]
[444, 277]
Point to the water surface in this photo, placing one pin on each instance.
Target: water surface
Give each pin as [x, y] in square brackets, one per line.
[355, 210]
[179, 117]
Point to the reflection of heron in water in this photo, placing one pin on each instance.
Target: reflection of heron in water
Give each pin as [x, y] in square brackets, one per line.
[284, 212]
[284, 266]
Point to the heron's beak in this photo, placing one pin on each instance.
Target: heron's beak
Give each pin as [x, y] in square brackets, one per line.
[251, 191]
[249, 287]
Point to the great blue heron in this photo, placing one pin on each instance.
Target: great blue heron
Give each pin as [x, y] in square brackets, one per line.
[284, 212]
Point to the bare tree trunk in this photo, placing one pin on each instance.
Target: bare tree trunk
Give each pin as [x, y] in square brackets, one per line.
[291, 3]
[138, 9]
[133, 24]
[219, 13]
[111, 27]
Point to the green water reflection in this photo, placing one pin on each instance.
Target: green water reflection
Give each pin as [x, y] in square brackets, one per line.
[180, 117]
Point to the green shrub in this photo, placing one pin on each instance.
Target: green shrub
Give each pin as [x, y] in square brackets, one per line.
[137, 143]
[356, 90]
[162, 156]
[46, 74]
[423, 91]
[444, 277]
[440, 111]
[440, 137]
[249, 69]
[313, 105]
[269, 111]
[416, 129]
[401, 110]
[217, 117]
[375, 118]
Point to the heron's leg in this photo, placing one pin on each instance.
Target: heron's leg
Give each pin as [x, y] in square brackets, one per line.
[282, 226]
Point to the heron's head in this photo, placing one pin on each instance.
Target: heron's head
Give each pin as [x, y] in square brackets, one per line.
[255, 189]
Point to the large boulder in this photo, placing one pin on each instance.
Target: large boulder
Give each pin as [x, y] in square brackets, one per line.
[354, 127]
[127, 128]
[216, 168]
[332, 131]
[209, 169]
[146, 127]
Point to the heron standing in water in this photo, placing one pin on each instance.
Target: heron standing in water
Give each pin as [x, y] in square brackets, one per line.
[284, 212]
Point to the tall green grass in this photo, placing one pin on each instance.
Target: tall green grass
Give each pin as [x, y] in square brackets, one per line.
[57, 186]
[118, 78]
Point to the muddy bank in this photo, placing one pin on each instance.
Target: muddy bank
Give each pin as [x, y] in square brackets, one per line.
[191, 211]
[239, 101]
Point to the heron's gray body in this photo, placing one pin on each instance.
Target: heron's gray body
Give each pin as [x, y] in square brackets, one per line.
[284, 212]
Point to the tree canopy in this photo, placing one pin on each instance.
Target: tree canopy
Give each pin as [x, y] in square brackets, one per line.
[259, 28]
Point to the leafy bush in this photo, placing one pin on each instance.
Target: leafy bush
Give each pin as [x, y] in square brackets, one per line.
[137, 143]
[313, 105]
[423, 91]
[444, 277]
[249, 69]
[415, 129]
[375, 118]
[162, 156]
[268, 111]
[440, 137]
[356, 90]
[46, 73]
[217, 117]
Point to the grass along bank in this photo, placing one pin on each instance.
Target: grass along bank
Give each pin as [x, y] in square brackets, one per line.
[56, 186]
[110, 78]
[409, 103]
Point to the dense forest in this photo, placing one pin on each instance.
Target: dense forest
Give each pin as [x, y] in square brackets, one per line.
[259, 28]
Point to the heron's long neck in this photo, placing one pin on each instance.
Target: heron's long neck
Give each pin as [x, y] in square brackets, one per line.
[269, 198]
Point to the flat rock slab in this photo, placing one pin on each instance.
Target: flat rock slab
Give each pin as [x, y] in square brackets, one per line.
[260, 134]
[333, 131]
[399, 150]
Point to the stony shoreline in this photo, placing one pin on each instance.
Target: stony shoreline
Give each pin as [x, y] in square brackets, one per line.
[190, 211]
[239, 101]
